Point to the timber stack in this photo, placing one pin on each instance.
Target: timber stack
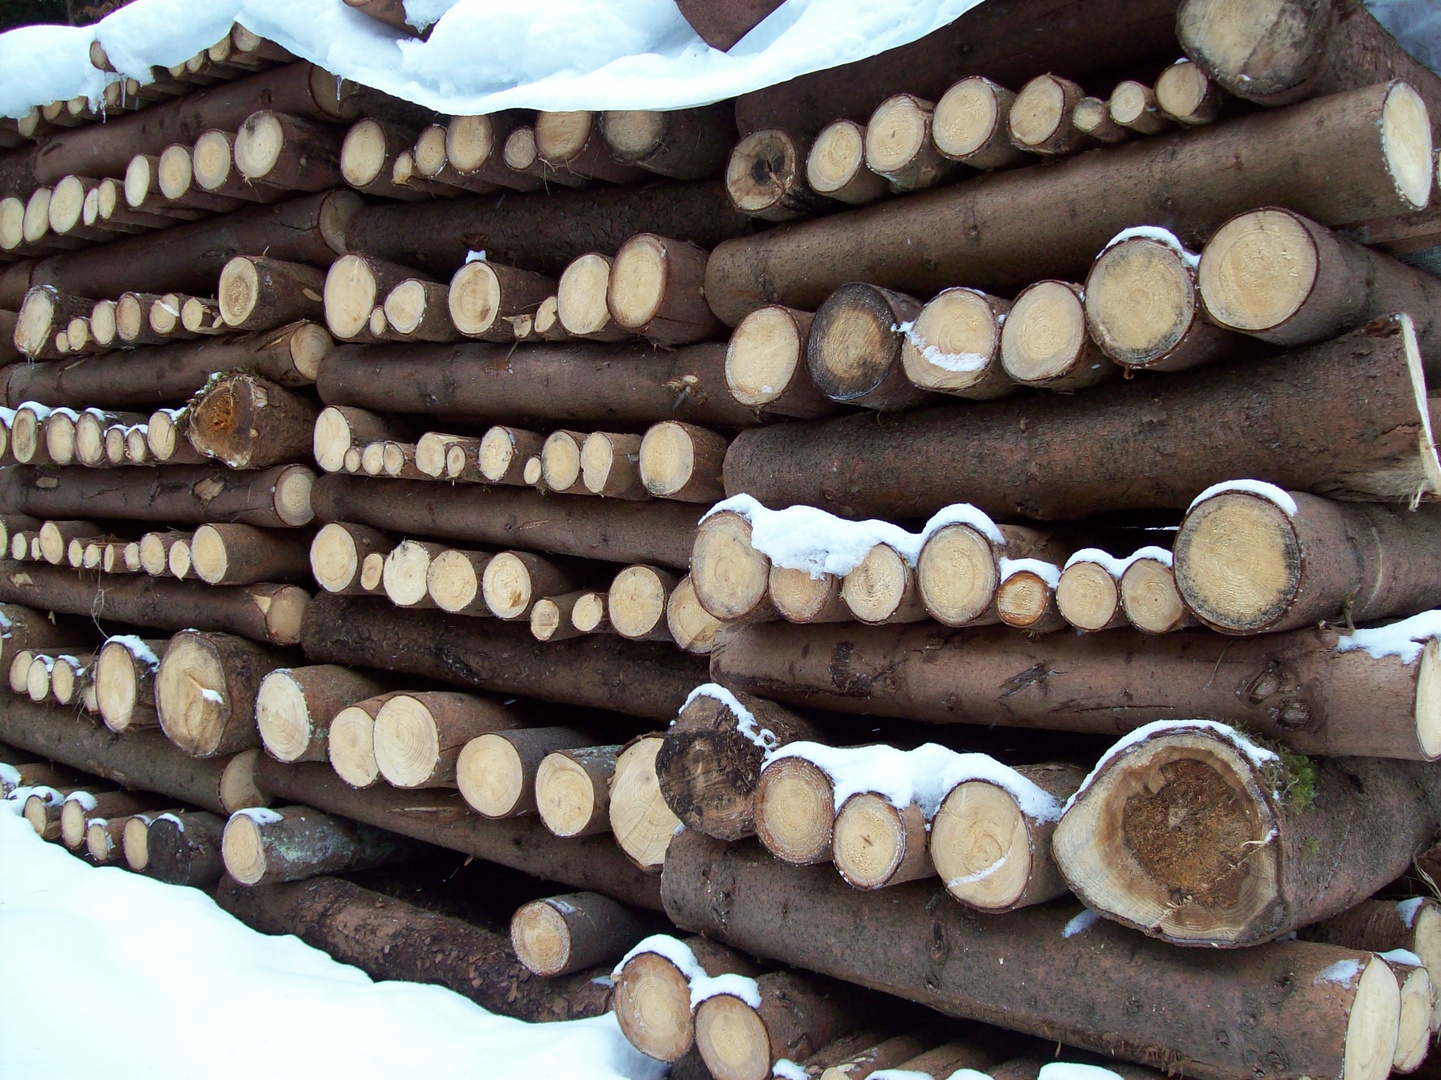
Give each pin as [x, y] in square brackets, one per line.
[564, 532]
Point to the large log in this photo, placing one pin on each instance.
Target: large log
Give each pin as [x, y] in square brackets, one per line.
[543, 231]
[608, 386]
[205, 690]
[615, 530]
[144, 760]
[188, 258]
[1192, 834]
[155, 376]
[275, 498]
[1074, 37]
[391, 939]
[269, 613]
[442, 818]
[908, 941]
[1060, 456]
[648, 679]
[1326, 158]
[1295, 688]
[247, 422]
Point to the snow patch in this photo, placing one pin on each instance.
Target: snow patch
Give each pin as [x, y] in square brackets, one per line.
[705, 986]
[1118, 567]
[904, 1074]
[1406, 910]
[1065, 1070]
[137, 648]
[261, 815]
[786, 1069]
[1269, 492]
[1080, 924]
[1160, 236]
[83, 799]
[1405, 639]
[9, 777]
[1050, 573]
[1401, 956]
[746, 724]
[668, 947]
[1343, 972]
[212, 695]
[474, 256]
[936, 357]
[179, 824]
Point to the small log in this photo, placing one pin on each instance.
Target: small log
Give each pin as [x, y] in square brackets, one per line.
[147, 176]
[58, 431]
[55, 538]
[245, 555]
[1191, 834]
[899, 146]
[797, 1015]
[185, 848]
[407, 566]
[1285, 279]
[636, 603]
[339, 429]
[1134, 105]
[496, 770]
[433, 455]
[205, 691]
[391, 939]
[354, 285]
[560, 466]
[1051, 222]
[428, 162]
[581, 300]
[1044, 340]
[1186, 94]
[656, 290]
[105, 839]
[165, 438]
[213, 169]
[287, 152]
[263, 847]
[571, 142]
[573, 384]
[34, 680]
[1299, 689]
[475, 152]
[125, 671]
[368, 154]
[681, 461]
[455, 580]
[258, 293]
[610, 465]
[417, 311]
[652, 999]
[80, 807]
[564, 934]
[954, 345]
[294, 707]
[155, 551]
[27, 434]
[338, 551]
[441, 817]
[504, 452]
[1092, 118]
[572, 790]
[1149, 597]
[45, 311]
[691, 626]
[521, 156]
[514, 581]
[731, 577]
[1041, 120]
[165, 314]
[1381, 926]
[876, 844]
[419, 737]
[640, 819]
[800, 598]
[959, 568]
[1088, 596]
[484, 295]
[853, 351]
[969, 124]
[686, 144]
[201, 316]
[350, 745]
[551, 617]
[766, 177]
[1285, 570]
[883, 588]
[795, 811]
[992, 847]
[907, 468]
[132, 319]
[836, 166]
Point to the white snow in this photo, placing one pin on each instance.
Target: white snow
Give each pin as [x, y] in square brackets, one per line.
[786, 1069]
[1160, 236]
[967, 1074]
[1050, 573]
[137, 648]
[474, 256]
[40, 411]
[1259, 756]
[923, 776]
[1080, 924]
[1065, 1070]
[212, 695]
[84, 799]
[1342, 971]
[1269, 492]
[746, 724]
[705, 986]
[902, 1074]
[671, 948]
[9, 778]
[131, 941]
[1406, 910]
[481, 56]
[936, 357]
[809, 539]
[1405, 639]
[261, 815]
[174, 819]
[1401, 956]
[1118, 567]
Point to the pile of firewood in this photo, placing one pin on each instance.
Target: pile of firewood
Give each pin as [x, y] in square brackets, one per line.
[516, 485]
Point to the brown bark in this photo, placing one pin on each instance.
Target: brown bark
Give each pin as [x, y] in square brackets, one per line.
[604, 671]
[1274, 420]
[572, 790]
[941, 956]
[266, 847]
[543, 232]
[711, 761]
[721, 25]
[1068, 36]
[656, 289]
[260, 293]
[1296, 688]
[338, 552]
[561, 935]
[1347, 562]
[623, 386]
[1050, 222]
[29, 628]
[273, 498]
[441, 817]
[571, 143]
[391, 939]
[189, 258]
[268, 613]
[247, 422]
[1189, 837]
[184, 849]
[612, 530]
[685, 144]
[233, 554]
[144, 760]
[287, 152]
[853, 351]
[496, 770]
[294, 707]
[205, 691]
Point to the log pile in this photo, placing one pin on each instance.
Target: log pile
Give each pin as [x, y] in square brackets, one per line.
[516, 488]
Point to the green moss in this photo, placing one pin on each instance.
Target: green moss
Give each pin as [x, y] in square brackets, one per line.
[1300, 779]
[1310, 848]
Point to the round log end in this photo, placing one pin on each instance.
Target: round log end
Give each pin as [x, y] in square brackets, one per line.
[1088, 596]
[405, 306]
[506, 585]
[469, 142]
[209, 163]
[407, 741]
[795, 811]
[1150, 598]
[102, 848]
[238, 790]
[545, 619]
[497, 452]
[638, 280]
[351, 746]
[640, 819]
[34, 327]
[1182, 90]
[190, 694]
[853, 343]
[982, 847]
[763, 356]
[404, 577]
[117, 685]
[474, 298]
[292, 495]
[691, 626]
[139, 176]
[309, 343]
[36, 813]
[565, 795]
[581, 295]
[258, 144]
[966, 118]
[243, 849]
[362, 154]
[1413, 1035]
[452, 581]
[953, 343]
[837, 156]
[541, 938]
[491, 775]
[957, 574]
[764, 168]
[1258, 270]
[349, 296]
[652, 1005]
[634, 134]
[636, 602]
[135, 843]
[869, 841]
[283, 716]
[730, 575]
[239, 290]
[898, 132]
[72, 823]
[334, 558]
[1044, 333]
[1140, 301]
[1238, 562]
[667, 458]
[1038, 113]
[208, 555]
[560, 136]
[1406, 139]
[1373, 1027]
[875, 590]
[560, 462]
[732, 1039]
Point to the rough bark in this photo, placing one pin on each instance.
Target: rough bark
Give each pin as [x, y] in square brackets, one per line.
[260, 293]
[233, 554]
[1190, 836]
[247, 422]
[29, 628]
[391, 939]
[902, 941]
[266, 847]
[1060, 457]
[612, 386]
[1051, 221]
[613, 530]
[190, 495]
[543, 232]
[686, 144]
[442, 818]
[1294, 688]
[278, 150]
[144, 760]
[721, 25]
[711, 761]
[184, 849]
[267, 613]
[1070, 36]
[601, 670]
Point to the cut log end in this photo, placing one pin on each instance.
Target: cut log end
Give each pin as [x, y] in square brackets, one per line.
[1238, 562]
[118, 678]
[334, 557]
[1413, 1036]
[636, 601]
[732, 1039]
[560, 462]
[1185, 93]
[474, 298]
[969, 124]
[283, 716]
[854, 343]
[640, 819]
[800, 598]
[258, 144]
[898, 143]
[238, 790]
[566, 796]
[541, 938]
[731, 577]
[953, 347]
[491, 775]
[836, 165]
[351, 746]
[1407, 144]
[239, 290]
[1374, 1024]
[1044, 333]
[350, 296]
[691, 626]
[1088, 596]
[674, 460]
[407, 741]
[134, 843]
[406, 567]
[877, 590]
[652, 1005]
[638, 280]
[957, 574]
[506, 584]
[1140, 300]
[873, 841]
[363, 153]
[764, 170]
[454, 580]
[1150, 598]
[1428, 734]
[581, 297]
[795, 811]
[1258, 270]
[1041, 113]
[243, 849]
[982, 847]
[766, 352]
[191, 683]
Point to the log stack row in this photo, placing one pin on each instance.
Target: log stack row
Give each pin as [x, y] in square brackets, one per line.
[572, 492]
